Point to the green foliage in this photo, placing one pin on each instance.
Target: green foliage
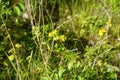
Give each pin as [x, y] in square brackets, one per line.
[17, 10]
[21, 6]
[60, 40]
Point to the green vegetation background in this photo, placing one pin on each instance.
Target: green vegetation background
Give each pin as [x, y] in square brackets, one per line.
[59, 39]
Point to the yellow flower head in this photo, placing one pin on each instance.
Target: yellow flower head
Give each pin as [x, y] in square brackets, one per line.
[53, 33]
[99, 62]
[56, 38]
[63, 37]
[18, 45]
[50, 34]
[11, 57]
[101, 32]
[108, 24]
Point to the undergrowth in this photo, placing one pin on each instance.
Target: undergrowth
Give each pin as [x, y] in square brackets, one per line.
[59, 40]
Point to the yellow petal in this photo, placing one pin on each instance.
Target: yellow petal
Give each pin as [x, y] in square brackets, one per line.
[50, 34]
[63, 37]
[56, 38]
[11, 57]
[18, 45]
[55, 31]
[108, 24]
[103, 30]
[99, 63]
[100, 33]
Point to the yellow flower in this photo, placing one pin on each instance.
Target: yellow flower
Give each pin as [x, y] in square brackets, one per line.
[108, 24]
[18, 45]
[99, 62]
[50, 34]
[11, 57]
[53, 33]
[105, 63]
[101, 31]
[56, 38]
[63, 37]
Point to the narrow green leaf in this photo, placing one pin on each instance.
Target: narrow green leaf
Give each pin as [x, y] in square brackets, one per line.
[17, 10]
[70, 65]
[61, 71]
[21, 6]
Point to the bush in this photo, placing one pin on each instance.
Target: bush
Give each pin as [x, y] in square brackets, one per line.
[59, 40]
